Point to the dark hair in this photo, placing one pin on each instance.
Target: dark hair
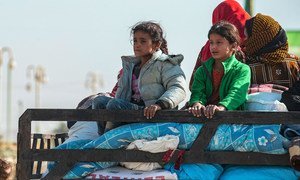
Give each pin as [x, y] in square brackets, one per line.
[249, 26]
[226, 30]
[155, 32]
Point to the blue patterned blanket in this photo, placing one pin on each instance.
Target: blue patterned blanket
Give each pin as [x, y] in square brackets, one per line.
[246, 138]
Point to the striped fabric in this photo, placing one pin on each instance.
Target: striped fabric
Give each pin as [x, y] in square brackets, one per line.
[272, 88]
[284, 73]
[264, 30]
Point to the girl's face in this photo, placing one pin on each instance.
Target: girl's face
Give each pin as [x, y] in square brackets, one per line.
[143, 45]
[220, 47]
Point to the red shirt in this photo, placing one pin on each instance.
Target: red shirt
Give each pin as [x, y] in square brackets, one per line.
[230, 11]
[217, 78]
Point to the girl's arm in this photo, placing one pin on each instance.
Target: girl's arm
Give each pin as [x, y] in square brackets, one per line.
[173, 79]
[238, 91]
[198, 88]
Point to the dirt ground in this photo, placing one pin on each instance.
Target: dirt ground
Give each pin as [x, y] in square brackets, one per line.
[8, 152]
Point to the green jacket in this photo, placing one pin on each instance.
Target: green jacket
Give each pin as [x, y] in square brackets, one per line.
[233, 88]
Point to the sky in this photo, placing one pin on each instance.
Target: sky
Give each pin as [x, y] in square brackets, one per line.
[71, 38]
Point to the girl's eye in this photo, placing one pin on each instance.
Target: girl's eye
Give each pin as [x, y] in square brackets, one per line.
[137, 41]
[134, 41]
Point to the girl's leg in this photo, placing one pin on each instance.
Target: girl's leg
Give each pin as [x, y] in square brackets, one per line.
[100, 102]
[119, 104]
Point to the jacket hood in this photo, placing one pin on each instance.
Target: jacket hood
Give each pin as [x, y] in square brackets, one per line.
[174, 59]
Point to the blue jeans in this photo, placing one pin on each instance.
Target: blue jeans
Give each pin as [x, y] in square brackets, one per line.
[100, 102]
[103, 102]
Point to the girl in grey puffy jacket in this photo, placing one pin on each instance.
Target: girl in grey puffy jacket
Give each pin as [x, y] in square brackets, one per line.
[151, 79]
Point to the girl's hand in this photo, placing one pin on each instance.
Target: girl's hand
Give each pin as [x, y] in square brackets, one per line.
[211, 109]
[150, 111]
[196, 109]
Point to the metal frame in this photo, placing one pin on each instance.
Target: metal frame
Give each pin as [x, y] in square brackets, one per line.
[197, 153]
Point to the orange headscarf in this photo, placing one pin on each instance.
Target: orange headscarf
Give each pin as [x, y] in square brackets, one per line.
[231, 11]
[267, 41]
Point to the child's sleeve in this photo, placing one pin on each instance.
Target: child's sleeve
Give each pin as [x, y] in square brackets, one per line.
[199, 88]
[173, 79]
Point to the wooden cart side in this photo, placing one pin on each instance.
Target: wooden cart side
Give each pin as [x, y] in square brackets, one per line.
[67, 158]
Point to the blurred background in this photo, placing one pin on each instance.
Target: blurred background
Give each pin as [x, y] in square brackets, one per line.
[54, 53]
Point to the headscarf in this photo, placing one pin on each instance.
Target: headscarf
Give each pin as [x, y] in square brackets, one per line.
[231, 11]
[267, 41]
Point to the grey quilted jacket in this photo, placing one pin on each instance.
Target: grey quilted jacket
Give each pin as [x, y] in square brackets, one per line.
[161, 78]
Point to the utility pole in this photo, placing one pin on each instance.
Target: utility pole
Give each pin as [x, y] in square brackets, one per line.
[20, 107]
[39, 77]
[10, 66]
[249, 7]
[93, 81]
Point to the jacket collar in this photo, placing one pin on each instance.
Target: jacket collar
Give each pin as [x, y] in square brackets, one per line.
[228, 63]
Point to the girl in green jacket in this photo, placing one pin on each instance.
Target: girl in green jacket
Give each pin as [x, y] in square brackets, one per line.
[222, 82]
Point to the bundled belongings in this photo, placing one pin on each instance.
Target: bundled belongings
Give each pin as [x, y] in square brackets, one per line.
[291, 97]
[294, 151]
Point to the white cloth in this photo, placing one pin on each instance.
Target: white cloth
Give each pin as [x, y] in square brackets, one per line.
[265, 101]
[162, 144]
[118, 172]
[83, 130]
